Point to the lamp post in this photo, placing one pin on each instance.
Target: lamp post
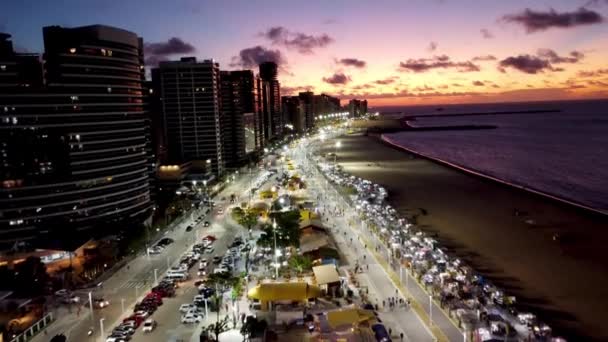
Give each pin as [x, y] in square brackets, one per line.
[431, 310]
[276, 255]
[101, 327]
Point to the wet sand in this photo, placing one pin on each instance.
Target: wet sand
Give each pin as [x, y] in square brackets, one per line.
[565, 283]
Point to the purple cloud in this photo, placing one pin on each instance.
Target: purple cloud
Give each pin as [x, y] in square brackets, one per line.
[593, 73]
[487, 34]
[253, 56]
[553, 57]
[535, 21]
[156, 52]
[337, 78]
[385, 81]
[303, 43]
[484, 58]
[525, 63]
[437, 62]
[354, 62]
[543, 61]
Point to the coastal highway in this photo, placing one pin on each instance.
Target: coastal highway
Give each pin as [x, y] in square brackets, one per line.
[131, 283]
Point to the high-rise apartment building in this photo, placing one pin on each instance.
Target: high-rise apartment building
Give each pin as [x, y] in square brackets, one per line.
[271, 101]
[74, 149]
[240, 116]
[324, 104]
[293, 112]
[191, 111]
[357, 108]
[307, 103]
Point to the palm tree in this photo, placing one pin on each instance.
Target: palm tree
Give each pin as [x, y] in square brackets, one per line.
[300, 263]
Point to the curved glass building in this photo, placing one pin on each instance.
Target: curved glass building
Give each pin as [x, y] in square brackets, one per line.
[74, 144]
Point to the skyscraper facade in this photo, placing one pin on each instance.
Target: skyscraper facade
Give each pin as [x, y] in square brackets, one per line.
[271, 101]
[357, 108]
[307, 103]
[240, 114]
[324, 104]
[293, 112]
[74, 148]
[191, 111]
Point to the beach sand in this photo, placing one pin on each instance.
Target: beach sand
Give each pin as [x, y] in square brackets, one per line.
[565, 283]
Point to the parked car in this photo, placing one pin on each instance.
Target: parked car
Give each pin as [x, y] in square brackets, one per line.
[206, 224]
[184, 308]
[149, 325]
[190, 318]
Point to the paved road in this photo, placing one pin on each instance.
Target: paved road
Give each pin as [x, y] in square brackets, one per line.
[130, 284]
[378, 277]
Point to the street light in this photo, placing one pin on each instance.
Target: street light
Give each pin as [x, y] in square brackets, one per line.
[431, 310]
[276, 252]
[101, 327]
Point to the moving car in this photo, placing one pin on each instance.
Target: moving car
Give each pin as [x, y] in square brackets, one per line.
[100, 303]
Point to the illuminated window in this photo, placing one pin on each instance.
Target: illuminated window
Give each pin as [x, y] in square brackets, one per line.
[110, 53]
[109, 89]
[2, 67]
[103, 52]
[73, 50]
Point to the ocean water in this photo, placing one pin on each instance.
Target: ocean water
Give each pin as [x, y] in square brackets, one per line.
[564, 154]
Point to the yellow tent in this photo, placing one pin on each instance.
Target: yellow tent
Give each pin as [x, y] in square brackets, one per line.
[348, 317]
[300, 291]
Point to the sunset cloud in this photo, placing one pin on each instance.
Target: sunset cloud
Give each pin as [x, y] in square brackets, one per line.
[478, 83]
[484, 58]
[593, 73]
[161, 51]
[301, 42]
[253, 56]
[437, 62]
[534, 21]
[337, 78]
[385, 81]
[432, 47]
[543, 61]
[486, 34]
[352, 62]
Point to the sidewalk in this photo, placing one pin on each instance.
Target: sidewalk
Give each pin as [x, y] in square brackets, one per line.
[400, 320]
[443, 328]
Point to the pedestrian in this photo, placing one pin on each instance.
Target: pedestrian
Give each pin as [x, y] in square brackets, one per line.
[383, 304]
[401, 335]
[390, 332]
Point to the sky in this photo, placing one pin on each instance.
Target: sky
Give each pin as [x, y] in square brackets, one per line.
[397, 52]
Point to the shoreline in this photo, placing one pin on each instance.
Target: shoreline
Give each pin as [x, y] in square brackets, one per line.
[565, 282]
[480, 174]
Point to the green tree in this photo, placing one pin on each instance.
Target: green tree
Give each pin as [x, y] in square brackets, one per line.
[300, 263]
[248, 220]
[237, 214]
